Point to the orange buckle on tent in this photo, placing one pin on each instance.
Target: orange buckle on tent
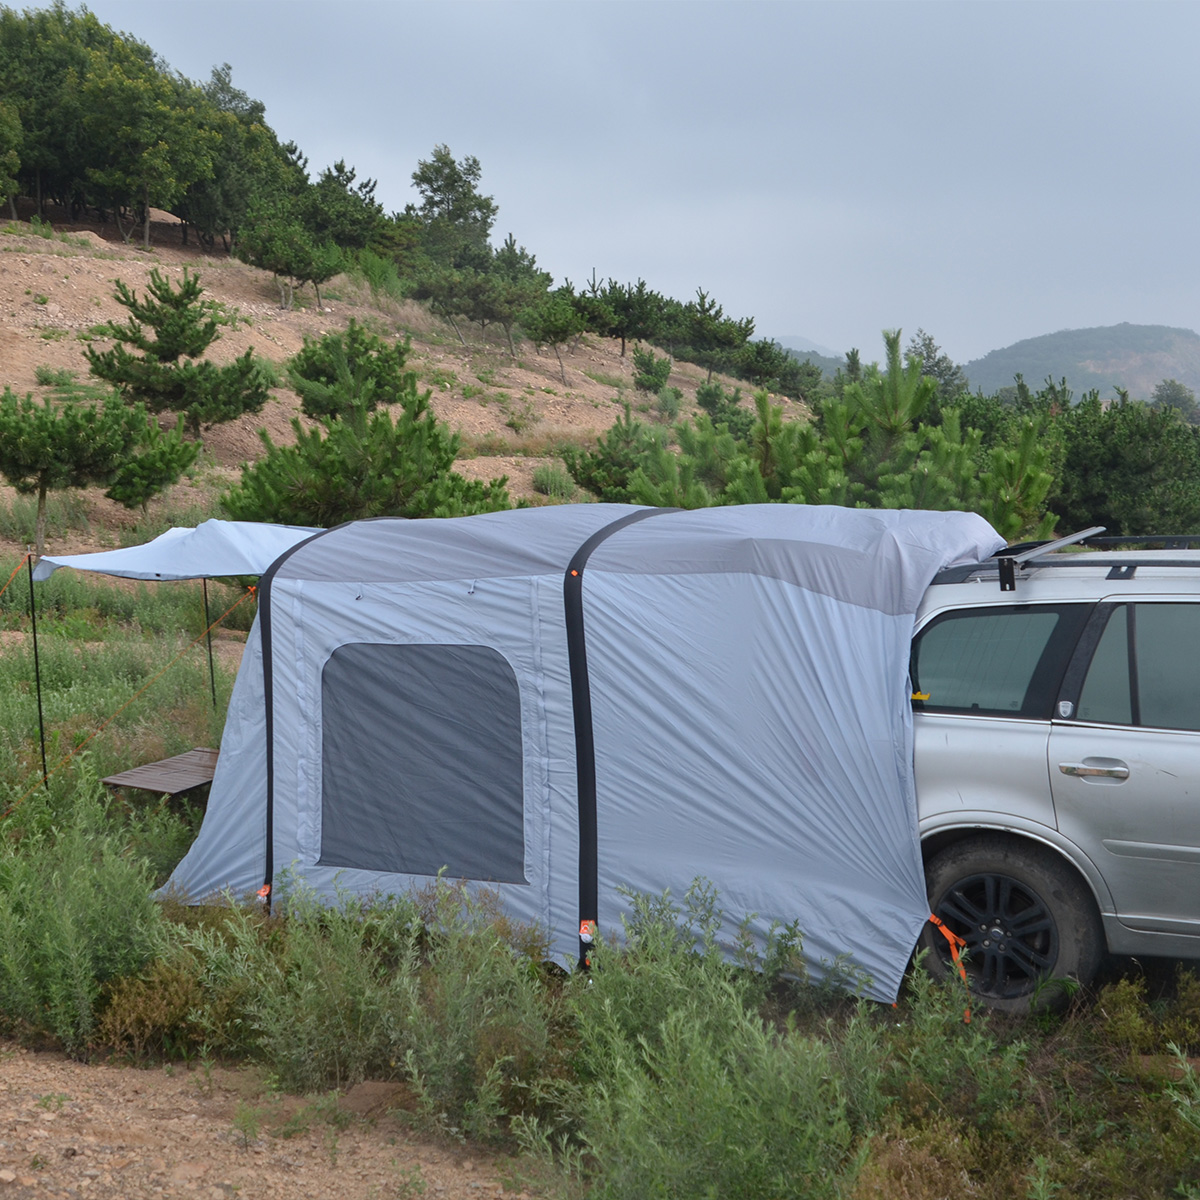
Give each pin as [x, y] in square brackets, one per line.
[587, 932]
[957, 945]
[264, 893]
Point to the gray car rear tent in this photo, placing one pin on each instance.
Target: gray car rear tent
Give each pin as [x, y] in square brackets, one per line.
[565, 702]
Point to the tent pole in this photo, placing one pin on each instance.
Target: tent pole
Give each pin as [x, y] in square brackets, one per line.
[37, 670]
[212, 678]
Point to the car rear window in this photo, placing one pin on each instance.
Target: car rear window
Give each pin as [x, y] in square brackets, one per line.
[1006, 660]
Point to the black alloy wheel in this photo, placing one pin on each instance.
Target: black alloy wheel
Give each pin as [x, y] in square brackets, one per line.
[1029, 922]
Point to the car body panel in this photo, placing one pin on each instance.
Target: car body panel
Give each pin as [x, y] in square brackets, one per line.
[1134, 838]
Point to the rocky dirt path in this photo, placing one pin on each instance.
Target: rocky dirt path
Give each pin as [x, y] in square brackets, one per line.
[70, 1129]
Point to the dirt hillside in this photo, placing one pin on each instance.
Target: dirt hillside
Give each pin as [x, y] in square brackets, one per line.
[511, 414]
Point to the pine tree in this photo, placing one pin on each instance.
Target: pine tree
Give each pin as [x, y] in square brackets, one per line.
[160, 462]
[167, 374]
[554, 321]
[45, 446]
[340, 371]
[360, 463]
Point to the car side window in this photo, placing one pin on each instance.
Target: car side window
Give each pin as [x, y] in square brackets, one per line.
[1144, 669]
[1005, 660]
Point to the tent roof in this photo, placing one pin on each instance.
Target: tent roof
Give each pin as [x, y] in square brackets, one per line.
[212, 549]
[880, 558]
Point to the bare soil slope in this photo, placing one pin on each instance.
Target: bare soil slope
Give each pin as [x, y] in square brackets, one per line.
[511, 414]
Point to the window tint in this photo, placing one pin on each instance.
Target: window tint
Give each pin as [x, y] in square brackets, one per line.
[422, 759]
[998, 661]
[1144, 671]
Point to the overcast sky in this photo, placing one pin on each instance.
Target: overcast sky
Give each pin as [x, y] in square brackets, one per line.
[987, 171]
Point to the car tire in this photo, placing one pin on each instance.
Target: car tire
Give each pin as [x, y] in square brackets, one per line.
[1029, 922]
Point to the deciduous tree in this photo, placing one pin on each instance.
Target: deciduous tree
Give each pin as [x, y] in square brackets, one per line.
[154, 128]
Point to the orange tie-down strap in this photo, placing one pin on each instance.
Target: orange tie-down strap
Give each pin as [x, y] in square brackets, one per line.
[957, 946]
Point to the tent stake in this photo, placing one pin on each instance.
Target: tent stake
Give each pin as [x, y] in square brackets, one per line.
[37, 670]
[212, 678]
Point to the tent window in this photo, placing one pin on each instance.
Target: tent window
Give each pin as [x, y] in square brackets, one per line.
[421, 762]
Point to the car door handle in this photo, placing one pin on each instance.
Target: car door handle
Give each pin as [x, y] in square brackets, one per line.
[1084, 771]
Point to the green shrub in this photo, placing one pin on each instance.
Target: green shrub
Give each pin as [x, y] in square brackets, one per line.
[551, 479]
[666, 404]
[650, 373]
[481, 1037]
[75, 913]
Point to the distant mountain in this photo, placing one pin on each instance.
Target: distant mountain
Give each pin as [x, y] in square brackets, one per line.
[1136, 357]
[819, 356]
[804, 346]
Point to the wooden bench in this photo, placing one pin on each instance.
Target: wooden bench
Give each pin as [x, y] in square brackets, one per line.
[170, 776]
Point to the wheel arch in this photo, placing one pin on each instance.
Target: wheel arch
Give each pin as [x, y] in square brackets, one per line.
[934, 841]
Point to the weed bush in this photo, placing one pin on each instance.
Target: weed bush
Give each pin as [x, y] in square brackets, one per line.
[482, 1035]
[54, 377]
[65, 512]
[940, 1063]
[718, 1105]
[680, 1087]
[551, 479]
[667, 402]
[331, 1006]
[75, 913]
[380, 274]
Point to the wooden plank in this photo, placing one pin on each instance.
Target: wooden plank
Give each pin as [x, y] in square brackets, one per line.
[170, 776]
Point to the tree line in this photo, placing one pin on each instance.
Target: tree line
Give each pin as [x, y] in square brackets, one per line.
[93, 120]
[910, 434]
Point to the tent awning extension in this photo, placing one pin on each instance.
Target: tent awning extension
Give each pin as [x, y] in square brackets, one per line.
[212, 549]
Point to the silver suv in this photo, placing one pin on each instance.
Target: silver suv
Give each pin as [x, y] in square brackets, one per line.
[1056, 697]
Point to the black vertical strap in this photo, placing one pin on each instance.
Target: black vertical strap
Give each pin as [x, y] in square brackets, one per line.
[264, 616]
[212, 674]
[581, 704]
[37, 670]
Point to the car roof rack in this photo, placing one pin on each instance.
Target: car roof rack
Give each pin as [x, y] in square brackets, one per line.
[1008, 562]
[1041, 554]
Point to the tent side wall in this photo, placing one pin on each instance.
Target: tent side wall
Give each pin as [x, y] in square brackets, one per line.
[724, 750]
[749, 671]
[746, 669]
[229, 852]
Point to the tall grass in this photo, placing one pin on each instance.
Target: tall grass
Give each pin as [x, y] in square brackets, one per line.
[65, 512]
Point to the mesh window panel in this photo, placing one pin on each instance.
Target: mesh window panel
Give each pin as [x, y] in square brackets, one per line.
[421, 762]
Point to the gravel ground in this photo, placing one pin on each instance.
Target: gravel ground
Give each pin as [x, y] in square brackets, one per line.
[104, 1130]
